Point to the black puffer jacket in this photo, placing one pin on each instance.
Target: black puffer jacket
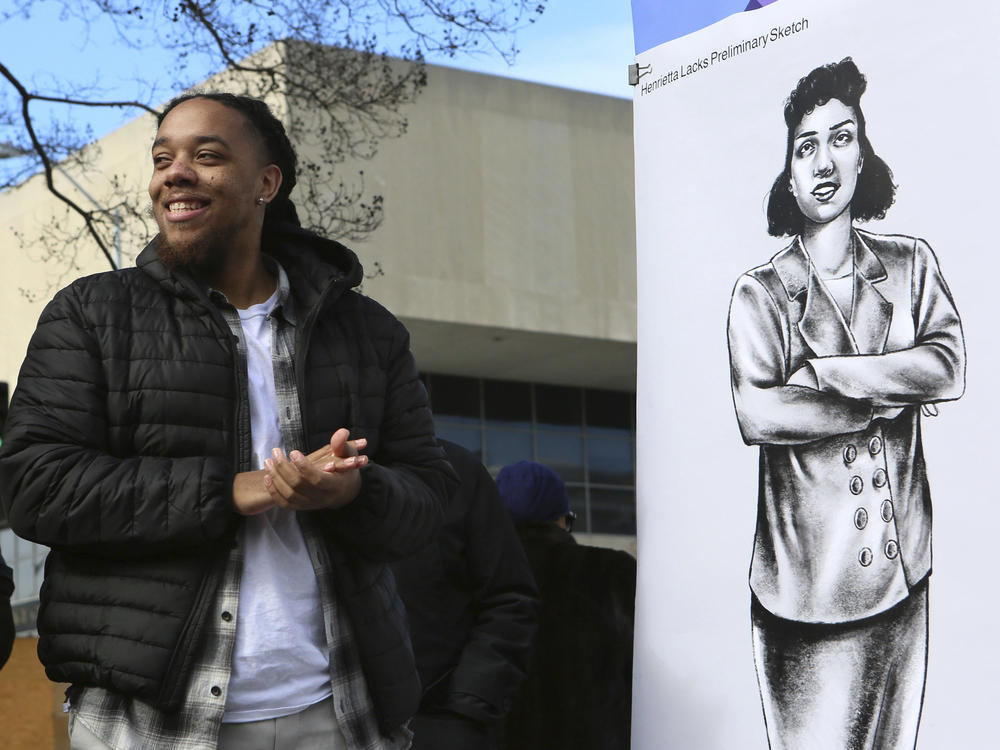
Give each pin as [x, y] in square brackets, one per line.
[7, 630]
[578, 693]
[473, 608]
[121, 447]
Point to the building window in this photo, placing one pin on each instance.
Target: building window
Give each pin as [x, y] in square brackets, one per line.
[585, 435]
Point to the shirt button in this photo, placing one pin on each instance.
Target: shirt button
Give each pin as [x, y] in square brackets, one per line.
[227, 617]
[865, 557]
[887, 510]
[216, 691]
[857, 485]
[875, 445]
[879, 478]
[850, 453]
[891, 549]
[861, 518]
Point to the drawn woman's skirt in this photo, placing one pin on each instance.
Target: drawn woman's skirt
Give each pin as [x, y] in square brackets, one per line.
[851, 686]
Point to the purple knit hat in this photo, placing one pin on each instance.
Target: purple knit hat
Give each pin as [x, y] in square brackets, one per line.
[532, 492]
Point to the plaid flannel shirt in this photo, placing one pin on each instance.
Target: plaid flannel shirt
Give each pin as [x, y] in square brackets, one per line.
[125, 723]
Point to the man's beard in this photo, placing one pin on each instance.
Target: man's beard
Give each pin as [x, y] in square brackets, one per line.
[201, 255]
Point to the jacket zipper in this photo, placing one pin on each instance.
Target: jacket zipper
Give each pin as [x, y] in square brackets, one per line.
[178, 669]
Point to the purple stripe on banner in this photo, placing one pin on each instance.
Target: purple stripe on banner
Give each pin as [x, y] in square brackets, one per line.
[656, 21]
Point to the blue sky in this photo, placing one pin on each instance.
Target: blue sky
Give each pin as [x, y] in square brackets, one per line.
[579, 44]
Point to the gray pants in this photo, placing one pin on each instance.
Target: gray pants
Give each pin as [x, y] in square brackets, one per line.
[313, 729]
[853, 686]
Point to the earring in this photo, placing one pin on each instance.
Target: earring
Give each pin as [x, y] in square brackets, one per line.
[260, 201]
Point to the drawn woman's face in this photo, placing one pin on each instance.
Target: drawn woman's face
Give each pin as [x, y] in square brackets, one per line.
[826, 161]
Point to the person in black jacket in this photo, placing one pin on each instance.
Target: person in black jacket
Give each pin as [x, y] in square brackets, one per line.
[578, 693]
[7, 630]
[472, 606]
[210, 583]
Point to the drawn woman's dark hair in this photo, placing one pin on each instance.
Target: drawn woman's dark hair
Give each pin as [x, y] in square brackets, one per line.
[277, 146]
[875, 190]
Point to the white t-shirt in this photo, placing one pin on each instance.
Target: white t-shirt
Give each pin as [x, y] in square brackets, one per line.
[281, 664]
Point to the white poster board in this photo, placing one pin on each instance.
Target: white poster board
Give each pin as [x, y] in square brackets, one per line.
[710, 139]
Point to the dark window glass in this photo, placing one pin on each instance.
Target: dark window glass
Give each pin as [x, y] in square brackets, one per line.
[450, 421]
[558, 405]
[612, 511]
[467, 437]
[609, 460]
[452, 395]
[506, 401]
[505, 447]
[562, 451]
[585, 435]
[608, 409]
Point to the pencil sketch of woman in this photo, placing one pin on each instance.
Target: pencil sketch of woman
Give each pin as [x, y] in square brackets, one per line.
[837, 345]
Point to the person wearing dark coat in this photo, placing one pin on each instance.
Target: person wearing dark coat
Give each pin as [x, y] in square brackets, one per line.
[210, 583]
[7, 630]
[472, 605]
[578, 693]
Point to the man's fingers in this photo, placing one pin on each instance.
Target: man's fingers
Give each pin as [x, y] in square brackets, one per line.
[287, 479]
[302, 484]
[325, 455]
[339, 440]
[294, 468]
[344, 464]
[282, 475]
[272, 490]
[318, 456]
[337, 448]
[353, 447]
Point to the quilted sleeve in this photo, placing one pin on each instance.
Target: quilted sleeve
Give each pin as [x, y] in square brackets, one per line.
[60, 484]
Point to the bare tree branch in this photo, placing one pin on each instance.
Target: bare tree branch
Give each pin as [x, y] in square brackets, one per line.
[345, 69]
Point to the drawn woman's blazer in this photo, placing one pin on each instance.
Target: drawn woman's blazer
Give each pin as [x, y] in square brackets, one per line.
[844, 509]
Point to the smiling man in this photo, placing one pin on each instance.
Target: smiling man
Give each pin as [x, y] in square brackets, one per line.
[212, 584]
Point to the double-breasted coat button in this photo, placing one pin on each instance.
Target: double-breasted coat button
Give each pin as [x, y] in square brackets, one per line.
[879, 478]
[887, 510]
[850, 453]
[861, 518]
[857, 485]
[875, 445]
[865, 556]
[891, 549]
